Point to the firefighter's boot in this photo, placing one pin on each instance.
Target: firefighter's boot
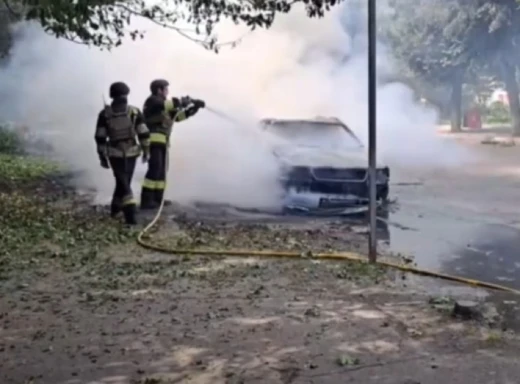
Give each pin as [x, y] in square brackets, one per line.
[148, 199]
[115, 209]
[158, 196]
[129, 214]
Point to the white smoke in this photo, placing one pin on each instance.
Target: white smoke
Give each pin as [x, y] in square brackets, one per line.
[295, 69]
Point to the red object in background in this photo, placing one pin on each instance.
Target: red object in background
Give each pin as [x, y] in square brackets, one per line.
[473, 119]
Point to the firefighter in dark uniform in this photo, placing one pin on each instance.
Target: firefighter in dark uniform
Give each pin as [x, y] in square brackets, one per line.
[121, 137]
[160, 113]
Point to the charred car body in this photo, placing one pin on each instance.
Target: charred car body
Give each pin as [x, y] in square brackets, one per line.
[324, 164]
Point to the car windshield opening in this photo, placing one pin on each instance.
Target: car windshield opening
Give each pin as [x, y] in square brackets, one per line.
[314, 135]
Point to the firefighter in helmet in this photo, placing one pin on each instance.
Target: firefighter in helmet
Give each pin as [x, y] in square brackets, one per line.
[160, 113]
[121, 137]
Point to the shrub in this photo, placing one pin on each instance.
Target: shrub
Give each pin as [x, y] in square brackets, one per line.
[11, 141]
[498, 112]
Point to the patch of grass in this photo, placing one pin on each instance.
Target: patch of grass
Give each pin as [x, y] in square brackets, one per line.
[18, 168]
[14, 165]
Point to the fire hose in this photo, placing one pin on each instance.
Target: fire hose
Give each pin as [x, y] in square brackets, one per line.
[336, 256]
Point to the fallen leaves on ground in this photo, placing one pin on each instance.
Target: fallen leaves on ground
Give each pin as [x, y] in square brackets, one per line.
[35, 232]
[46, 227]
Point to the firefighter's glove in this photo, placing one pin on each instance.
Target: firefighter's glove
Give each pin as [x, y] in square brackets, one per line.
[198, 103]
[185, 101]
[103, 161]
[145, 157]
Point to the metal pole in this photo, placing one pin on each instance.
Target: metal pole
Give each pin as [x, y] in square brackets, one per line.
[372, 247]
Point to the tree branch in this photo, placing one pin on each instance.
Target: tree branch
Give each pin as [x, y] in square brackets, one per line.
[105, 23]
[10, 9]
[211, 43]
[66, 37]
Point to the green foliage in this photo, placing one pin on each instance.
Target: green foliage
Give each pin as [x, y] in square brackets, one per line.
[449, 42]
[18, 168]
[10, 141]
[104, 23]
[6, 39]
[497, 112]
[14, 165]
[423, 35]
[442, 39]
[478, 89]
[490, 31]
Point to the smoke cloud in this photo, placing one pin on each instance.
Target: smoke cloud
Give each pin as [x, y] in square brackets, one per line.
[299, 68]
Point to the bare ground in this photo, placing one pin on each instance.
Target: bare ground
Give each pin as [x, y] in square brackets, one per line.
[237, 321]
[82, 311]
[133, 316]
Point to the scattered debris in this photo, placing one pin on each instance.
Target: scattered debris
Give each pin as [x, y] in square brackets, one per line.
[414, 333]
[402, 227]
[360, 229]
[494, 337]
[472, 310]
[346, 360]
[507, 141]
[313, 312]
[147, 302]
[408, 184]
[467, 310]
[443, 303]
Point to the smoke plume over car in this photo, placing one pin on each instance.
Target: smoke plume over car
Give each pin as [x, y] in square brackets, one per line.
[299, 68]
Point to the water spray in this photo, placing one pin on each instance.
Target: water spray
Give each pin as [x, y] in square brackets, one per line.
[223, 116]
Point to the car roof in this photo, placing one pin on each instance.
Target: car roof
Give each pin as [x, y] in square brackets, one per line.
[317, 120]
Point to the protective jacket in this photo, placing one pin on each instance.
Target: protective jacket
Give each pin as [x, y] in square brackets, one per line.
[160, 115]
[118, 126]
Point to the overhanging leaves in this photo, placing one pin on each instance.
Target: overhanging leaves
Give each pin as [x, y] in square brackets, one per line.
[423, 37]
[104, 23]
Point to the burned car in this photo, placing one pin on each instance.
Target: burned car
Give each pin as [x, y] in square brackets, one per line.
[324, 164]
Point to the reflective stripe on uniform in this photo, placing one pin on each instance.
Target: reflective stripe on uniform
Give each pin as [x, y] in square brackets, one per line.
[180, 116]
[154, 184]
[133, 151]
[168, 105]
[129, 200]
[150, 184]
[158, 138]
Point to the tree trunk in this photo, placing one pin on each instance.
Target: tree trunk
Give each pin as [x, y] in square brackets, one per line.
[456, 106]
[509, 77]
